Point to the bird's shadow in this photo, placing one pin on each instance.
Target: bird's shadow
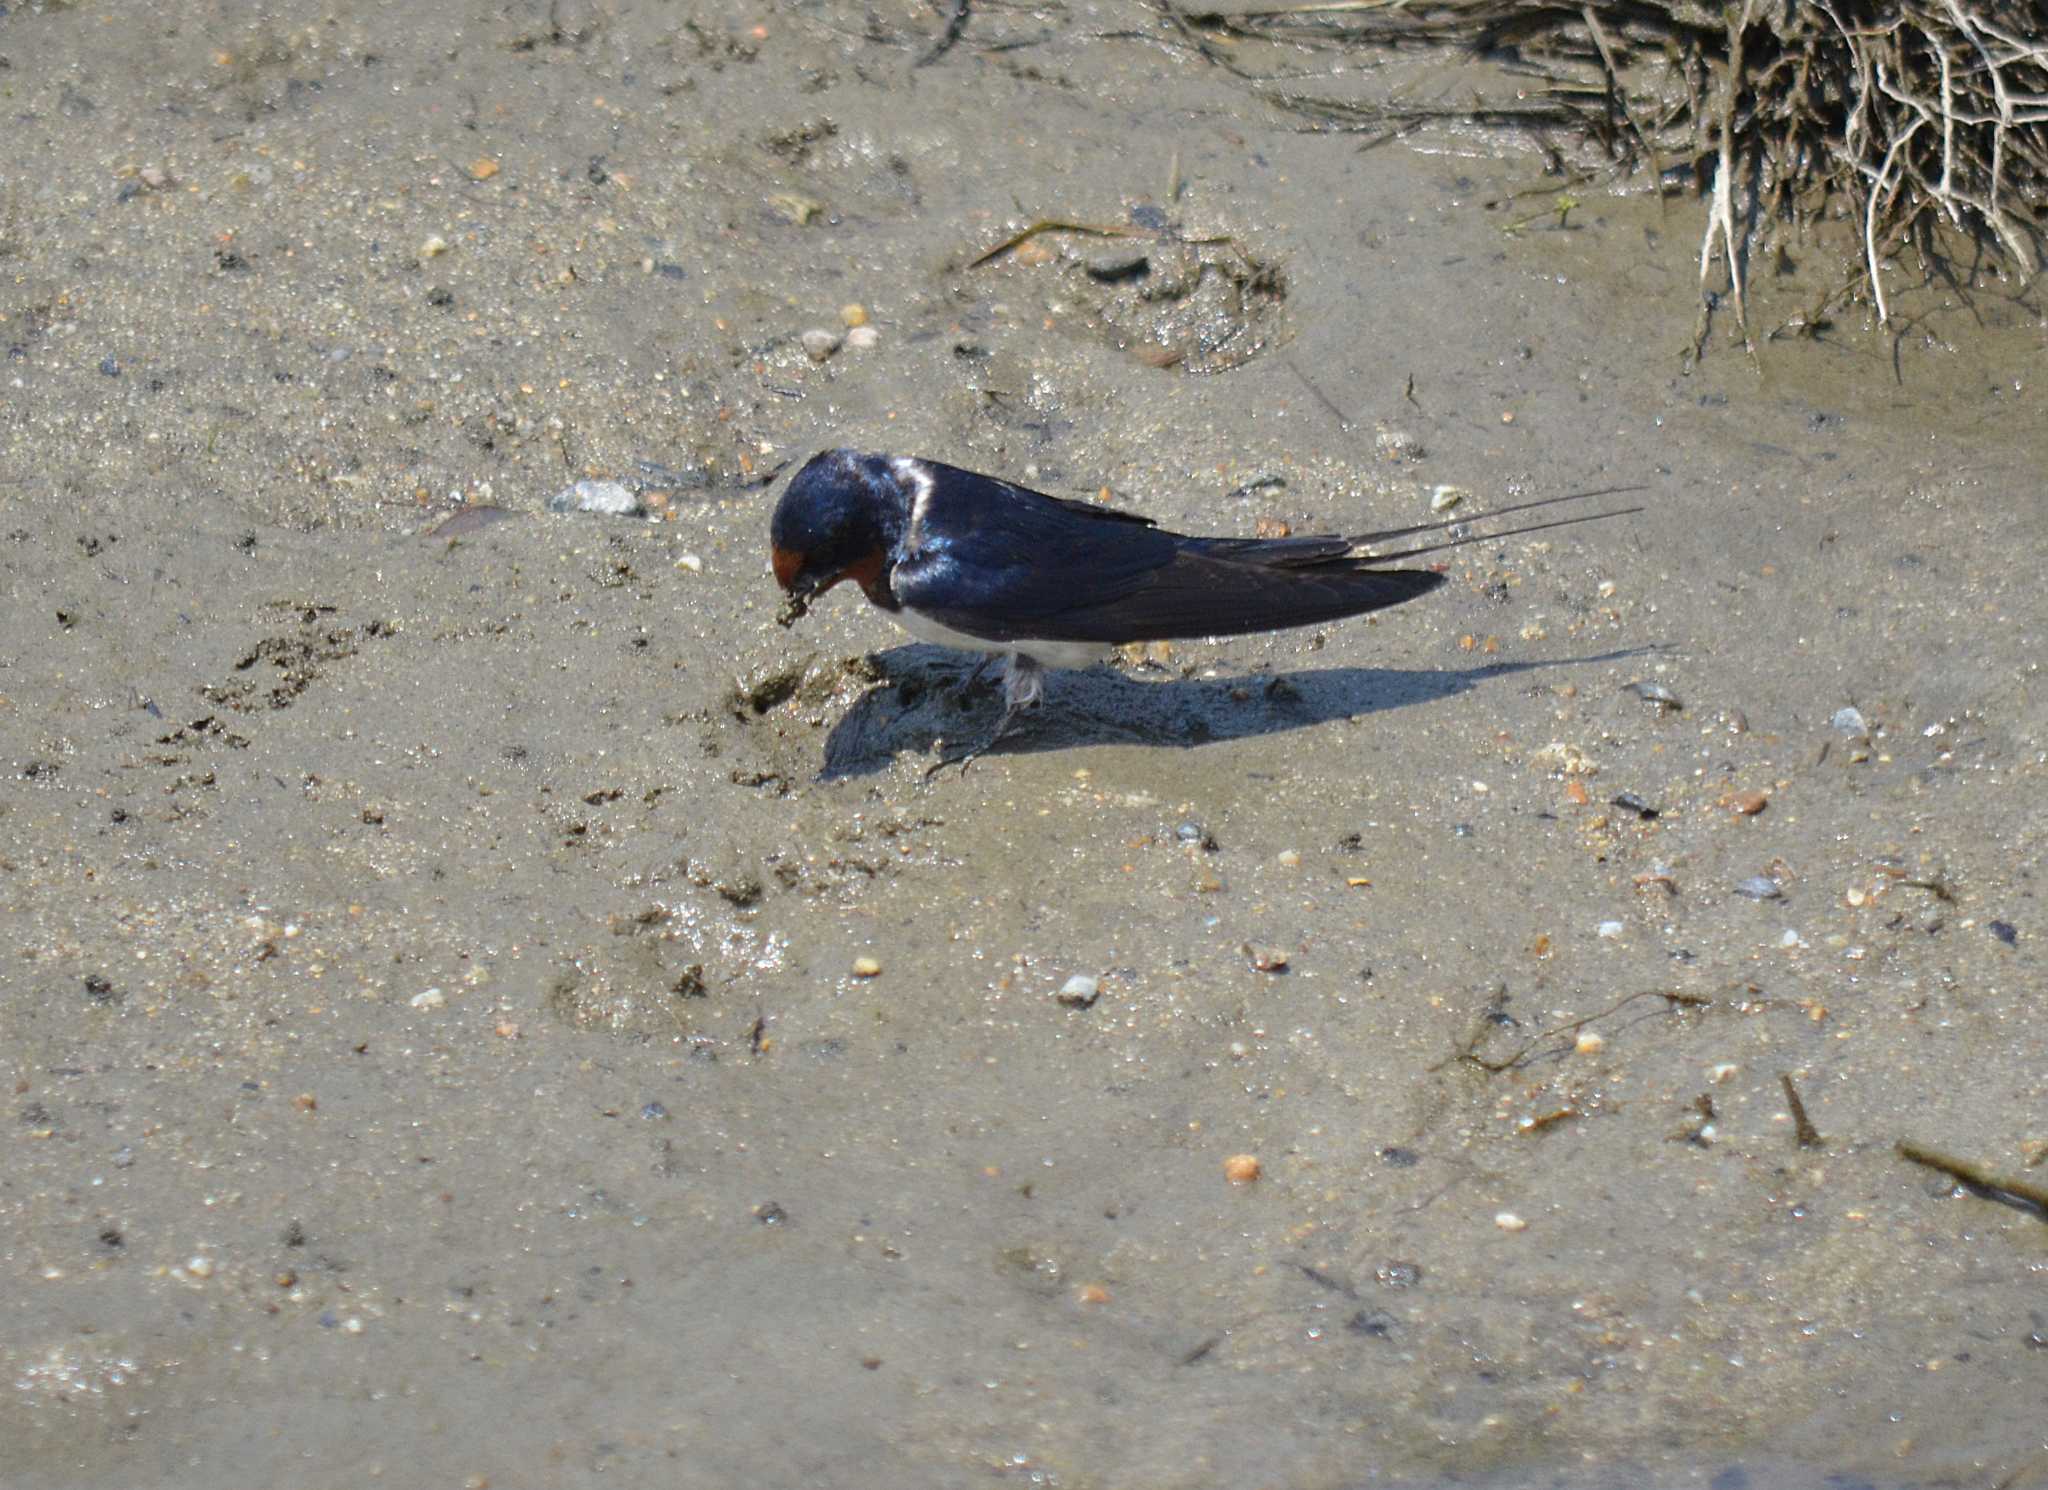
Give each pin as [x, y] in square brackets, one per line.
[919, 703]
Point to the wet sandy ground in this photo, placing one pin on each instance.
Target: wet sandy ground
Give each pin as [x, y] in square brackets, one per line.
[430, 1010]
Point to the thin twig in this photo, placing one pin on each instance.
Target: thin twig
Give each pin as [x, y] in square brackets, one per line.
[1998, 1186]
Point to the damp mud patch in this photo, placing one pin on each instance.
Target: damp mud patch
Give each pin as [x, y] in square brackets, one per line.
[282, 666]
[774, 718]
[670, 971]
[1200, 304]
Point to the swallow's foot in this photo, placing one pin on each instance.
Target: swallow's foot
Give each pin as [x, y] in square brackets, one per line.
[1023, 684]
[964, 758]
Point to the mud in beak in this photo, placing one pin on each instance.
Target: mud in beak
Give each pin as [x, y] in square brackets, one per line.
[794, 608]
[788, 566]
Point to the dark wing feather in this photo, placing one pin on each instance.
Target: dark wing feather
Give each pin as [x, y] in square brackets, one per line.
[1205, 594]
[1006, 563]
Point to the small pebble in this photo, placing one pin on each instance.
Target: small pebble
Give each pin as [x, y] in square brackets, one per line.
[200, 1267]
[866, 967]
[854, 315]
[1079, 992]
[1265, 959]
[1611, 930]
[1789, 939]
[1760, 887]
[483, 168]
[1444, 498]
[863, 338]
[690, 562]
[1118, 263]
[434, 247]
[1092, 1293]
[429, 998]
[1850, 721]
[1289, 859]
[2005, 931]
[1655, 693]
[1590, 1042]
[1242, 1169]
[1721, 1071]
[1398, 444]
[1563, 758]
[1509, 1221]
[819, 344]
[1630, 802]
[1856, 896]
[602, 498]
[1746, 804]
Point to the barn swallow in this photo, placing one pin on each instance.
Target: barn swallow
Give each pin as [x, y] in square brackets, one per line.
[983, 565]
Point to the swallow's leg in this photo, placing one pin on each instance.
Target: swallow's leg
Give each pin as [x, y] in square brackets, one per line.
[1023, 684]
[979, 668]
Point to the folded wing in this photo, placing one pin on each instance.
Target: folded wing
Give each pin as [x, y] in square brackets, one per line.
[1005, 563]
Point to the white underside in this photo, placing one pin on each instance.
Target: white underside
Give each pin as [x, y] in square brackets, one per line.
[1047, 654]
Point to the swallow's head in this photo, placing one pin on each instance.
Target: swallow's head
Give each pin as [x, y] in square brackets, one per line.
[830, 525]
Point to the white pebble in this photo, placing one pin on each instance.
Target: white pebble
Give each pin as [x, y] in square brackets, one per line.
[1444, 498]
[1079, 991]
[429, 998]
[1722, 1070]
[863, 338]
[691, 562]
[1591, 1042]
[1612, 930]
[434, 247]
[1289, 859]
[200, 1267]
[819, 344]
[1509, 1221]
[605, 498]
[866, 967]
